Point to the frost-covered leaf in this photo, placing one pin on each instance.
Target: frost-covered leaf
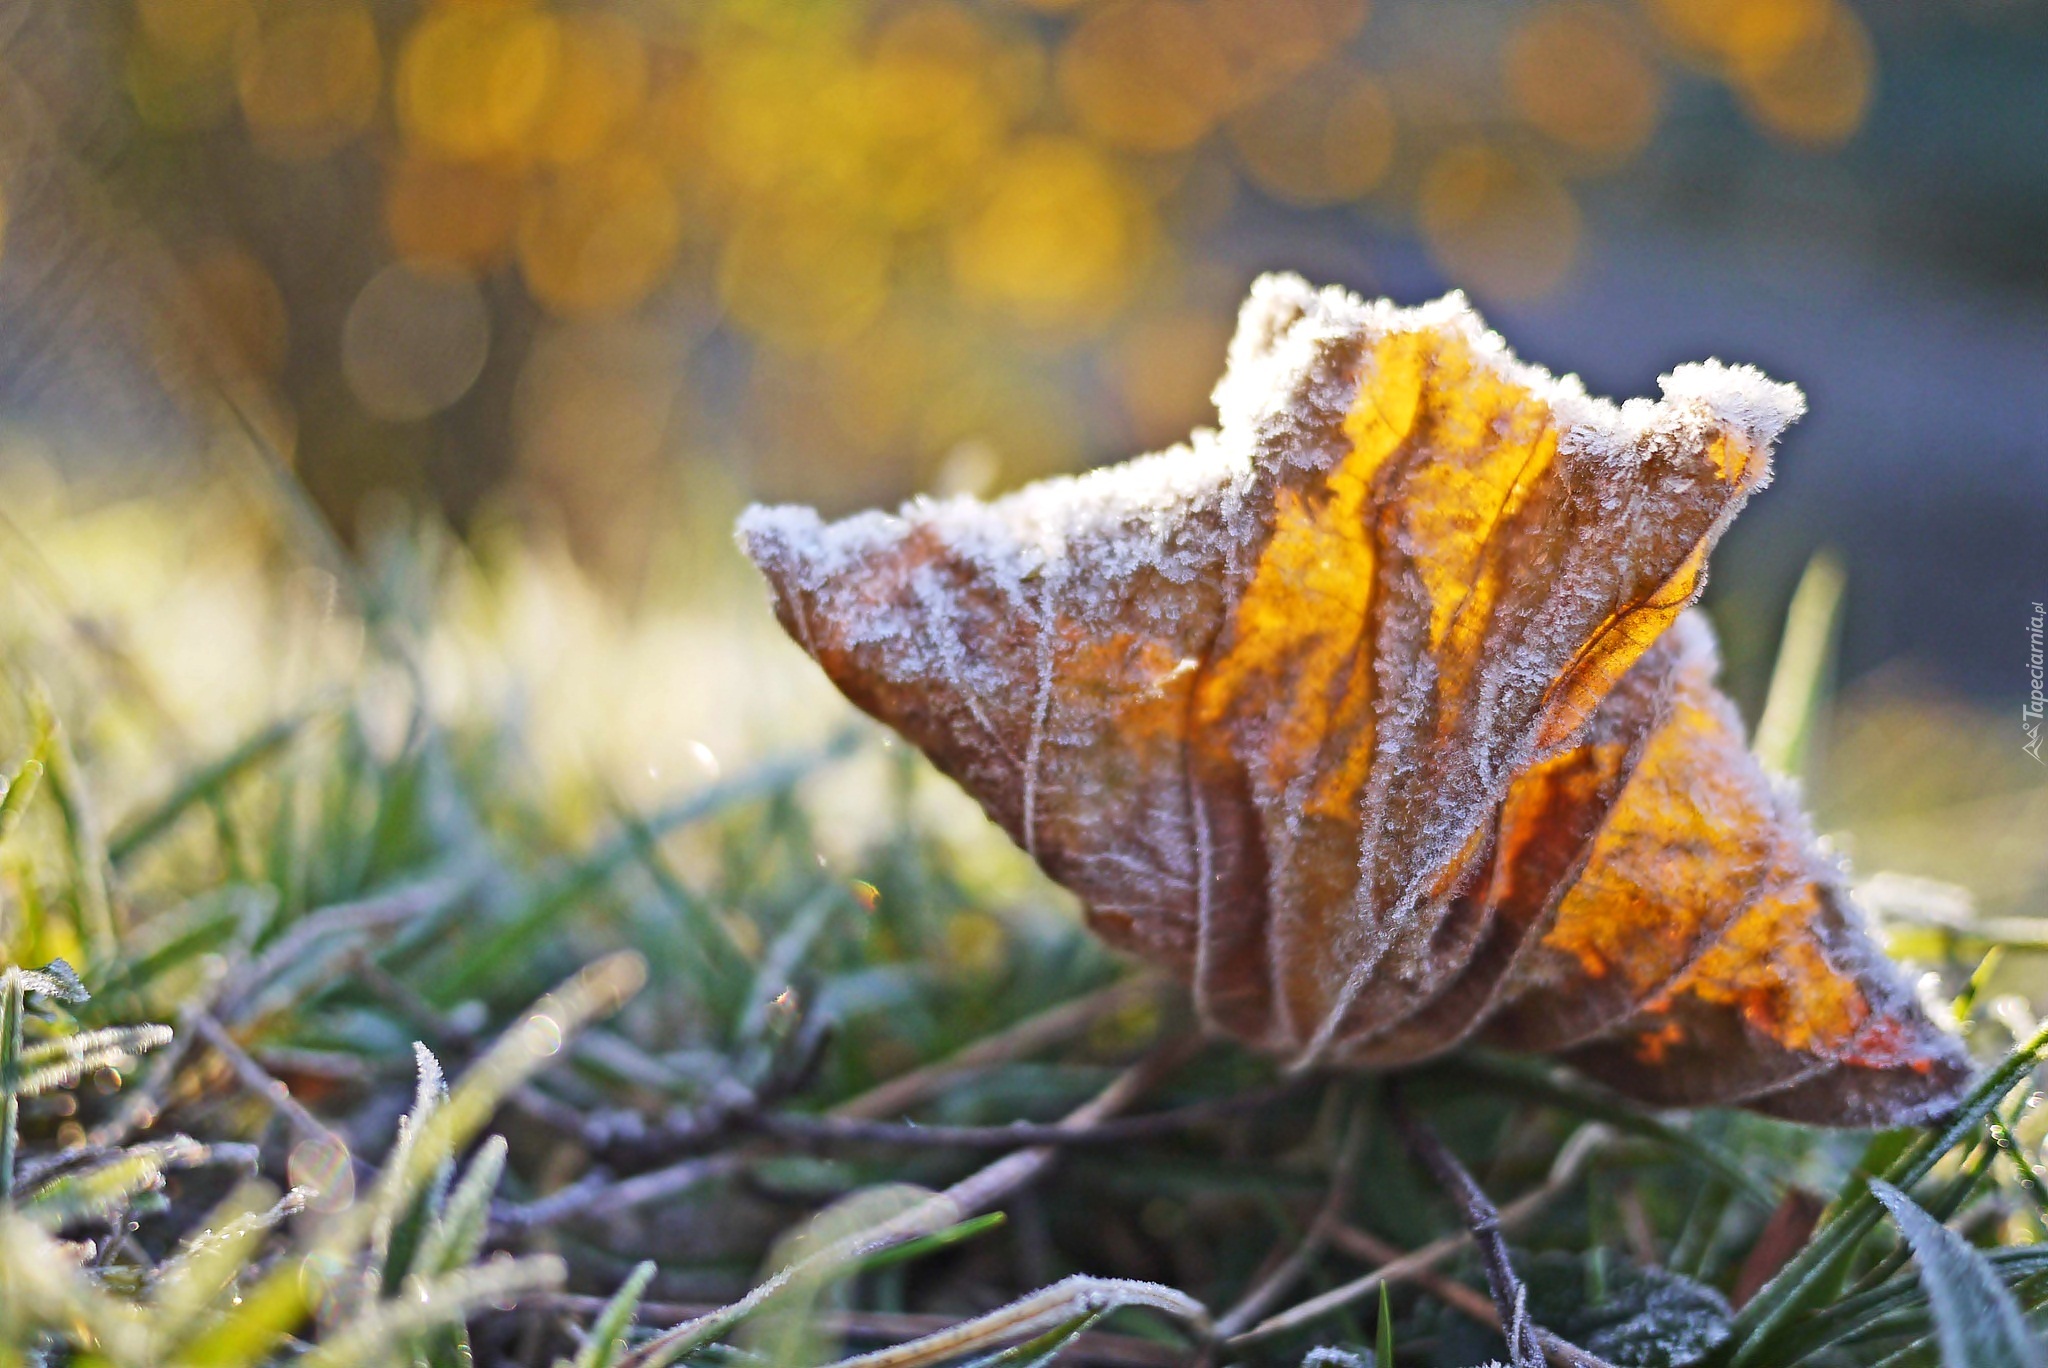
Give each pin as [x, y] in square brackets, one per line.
[1378, 716]
[1334, 1356]
[1642, 1317]
[56, 980]
[1976, 1321]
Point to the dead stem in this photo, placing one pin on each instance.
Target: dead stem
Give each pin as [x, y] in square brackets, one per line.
[1563, 1172]
[1482, 1219]
[1290, 1270]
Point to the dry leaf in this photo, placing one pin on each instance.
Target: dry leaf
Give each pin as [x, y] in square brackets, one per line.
[1379, 718]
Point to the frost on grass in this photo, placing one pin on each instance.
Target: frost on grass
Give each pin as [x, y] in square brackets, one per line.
[1363, 714]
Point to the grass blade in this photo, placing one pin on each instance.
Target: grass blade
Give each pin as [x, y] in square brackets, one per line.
[487, 962]
[12, 1005]
[1977, 1322]
[201, 785]
[607, 1339]
[1815, 1272]
[1784, 734]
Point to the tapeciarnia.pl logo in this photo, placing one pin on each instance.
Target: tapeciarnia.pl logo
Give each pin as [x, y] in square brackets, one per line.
[2030, 711]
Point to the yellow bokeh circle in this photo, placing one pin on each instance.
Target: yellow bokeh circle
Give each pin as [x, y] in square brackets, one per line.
[1146, 74]
[599, 235]
[933, 114]
[308, 78]
[803, 275]
[599, 86]
[1726, 35]
[473, 80]
[174, 95]
[450, 213]
[1497, 223]
[1578, 73]
[1323, 138]
[1059, 237]
[1817, 94]
[1269, 41]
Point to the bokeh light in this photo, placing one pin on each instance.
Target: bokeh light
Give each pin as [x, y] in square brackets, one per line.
[308, 76]
[243, 303]
[903, 230]
[939, 96]
[450, 213]
[180, 56]
[1579, 74]
[1059, 236]
[1817, 92]
[1325, 138]
[1270, 41]
[599, 82]
[195, 32]
[1146, 74]
[414, 342]
[1732, 34]
[1498, 222]
[474, 78]
[599, 234]
[800, 277]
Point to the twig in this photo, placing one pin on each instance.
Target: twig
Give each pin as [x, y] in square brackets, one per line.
[1361, 1244]
[1101, 1348]
[610, 1134]
[625, 1139]
[1563, 1172]
[140, 1107]
[1079, 1298]
[393, 908]
[258, 1080]
[982, 1189]
[1028, 1036]
[596, 1195]
[177, 1151]
[1269, 1289]
[974, 1193]
[1482, 1219]
[830, 1130]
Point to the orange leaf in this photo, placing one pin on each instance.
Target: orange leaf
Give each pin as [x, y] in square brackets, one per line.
[1379, 718]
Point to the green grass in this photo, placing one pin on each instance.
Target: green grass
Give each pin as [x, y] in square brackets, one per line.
[689, 1019]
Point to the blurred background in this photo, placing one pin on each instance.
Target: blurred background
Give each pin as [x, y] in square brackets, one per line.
[594, 274]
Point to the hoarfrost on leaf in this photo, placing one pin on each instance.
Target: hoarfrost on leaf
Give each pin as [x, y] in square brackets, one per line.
[1377, 714]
